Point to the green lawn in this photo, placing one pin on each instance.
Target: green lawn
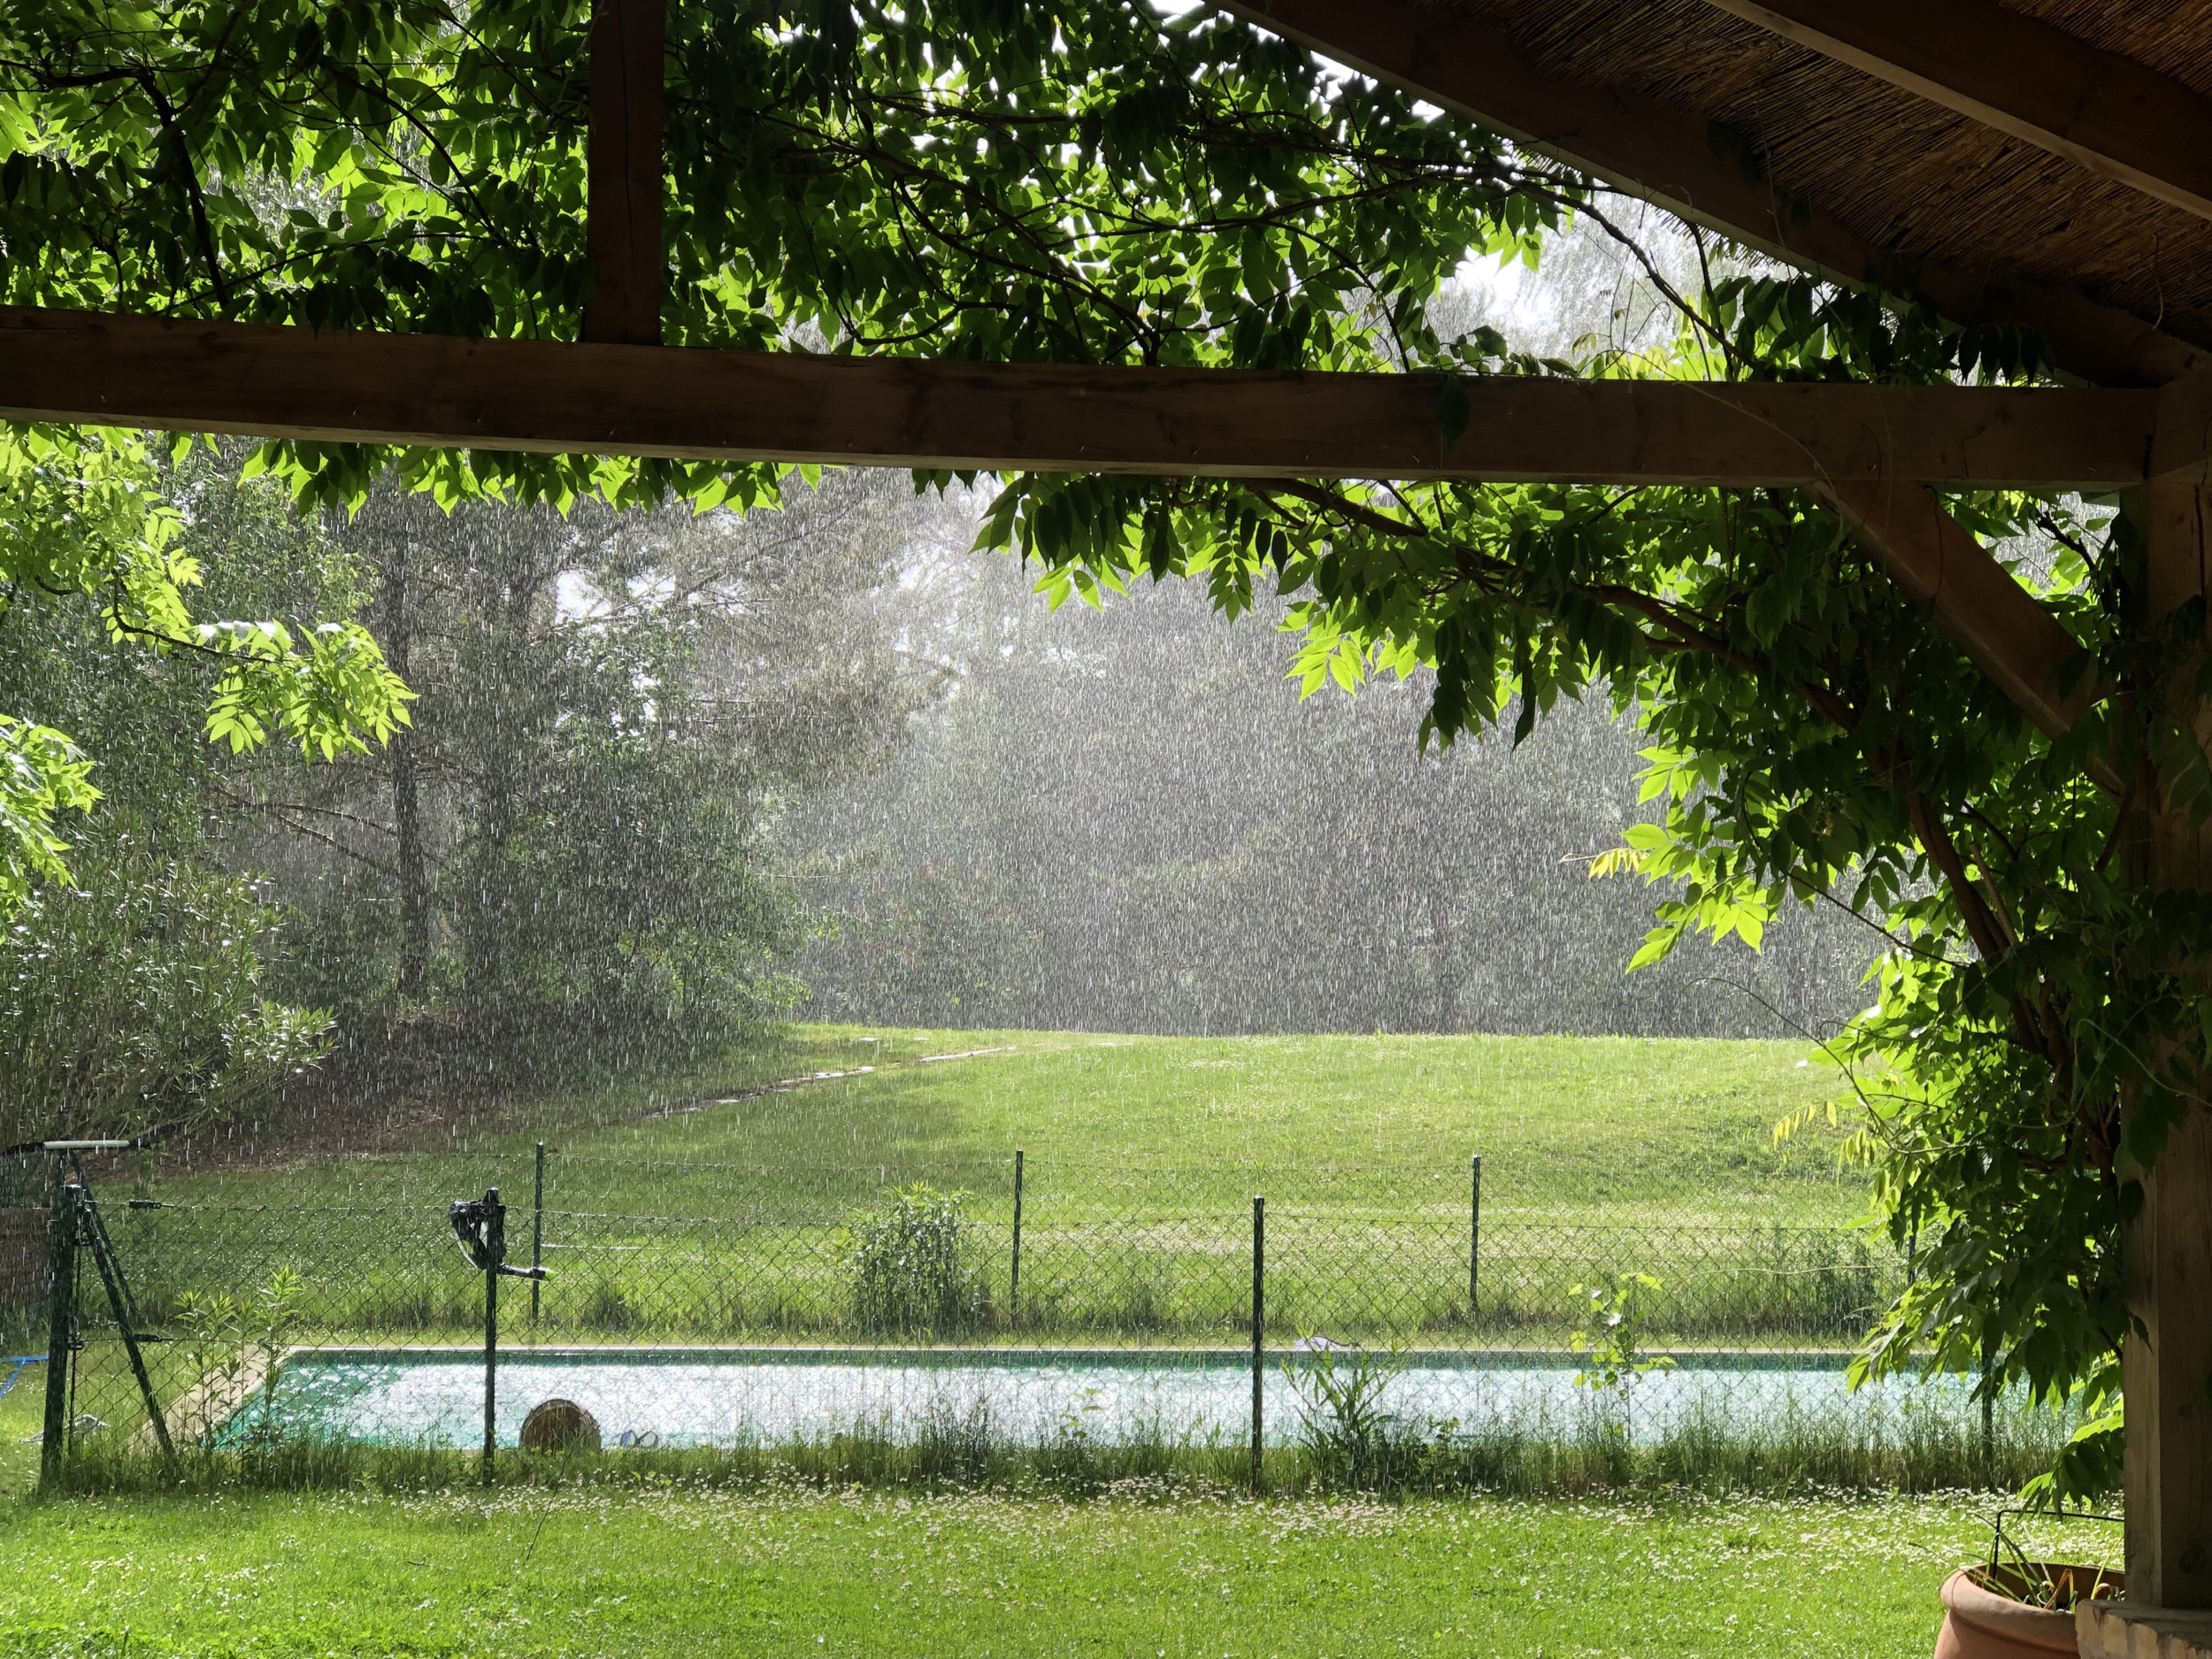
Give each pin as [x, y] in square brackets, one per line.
[1671, 1131]
[583, 1572]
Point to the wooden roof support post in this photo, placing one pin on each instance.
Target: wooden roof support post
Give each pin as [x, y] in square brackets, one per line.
[2166, 1266]
[623, 171]
[2166, 1249]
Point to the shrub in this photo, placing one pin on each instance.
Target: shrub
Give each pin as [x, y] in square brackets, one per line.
[131, 1001]
[910, 1267]
[1350, 1438]
[1612, 1343]
[234, 1349]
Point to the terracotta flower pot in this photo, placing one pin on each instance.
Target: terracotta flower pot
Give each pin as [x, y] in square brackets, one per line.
[1985, 1619]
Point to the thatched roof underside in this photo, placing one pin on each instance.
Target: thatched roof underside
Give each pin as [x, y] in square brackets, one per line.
[1902, 173]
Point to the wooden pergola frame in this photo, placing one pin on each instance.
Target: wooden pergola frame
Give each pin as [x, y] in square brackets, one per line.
[1869, 450]
[2140, 423]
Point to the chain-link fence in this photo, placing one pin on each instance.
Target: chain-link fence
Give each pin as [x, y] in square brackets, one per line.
[684, 1304]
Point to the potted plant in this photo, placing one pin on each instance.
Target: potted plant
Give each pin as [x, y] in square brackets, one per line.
[2019, 1611]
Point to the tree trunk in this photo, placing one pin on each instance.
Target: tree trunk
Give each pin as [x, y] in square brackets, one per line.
[1443, 957]
[414, 885]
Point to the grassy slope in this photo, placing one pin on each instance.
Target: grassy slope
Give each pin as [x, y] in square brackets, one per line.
[527, 1573]
[1666, 1130]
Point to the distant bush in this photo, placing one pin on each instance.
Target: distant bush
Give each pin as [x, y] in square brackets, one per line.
[131, 1001]
[910, 1267]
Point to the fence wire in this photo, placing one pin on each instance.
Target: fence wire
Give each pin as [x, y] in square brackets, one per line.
[687, 1304]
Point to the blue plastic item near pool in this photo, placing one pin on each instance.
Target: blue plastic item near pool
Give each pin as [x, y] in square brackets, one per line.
[16, 1363]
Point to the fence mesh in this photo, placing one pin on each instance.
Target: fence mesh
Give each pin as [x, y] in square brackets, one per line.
[689, 1304]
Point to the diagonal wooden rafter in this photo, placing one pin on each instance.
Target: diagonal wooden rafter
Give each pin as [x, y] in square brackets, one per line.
[2003, 629]
[1670, 157]
[2022, 76]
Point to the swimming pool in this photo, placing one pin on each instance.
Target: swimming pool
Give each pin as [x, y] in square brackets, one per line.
[679, 1397]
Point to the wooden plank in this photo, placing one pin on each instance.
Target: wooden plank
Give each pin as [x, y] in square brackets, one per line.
[1668, 156]
[2166, 1245]
[2002, 627]
[2119, 1630]
[622, 226]
[2166, 1256]
[198, 375]
[2022, 76]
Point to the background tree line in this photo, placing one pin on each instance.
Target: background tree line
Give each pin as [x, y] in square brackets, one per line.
[1129, 819]
[1134, 817]
[558, 866]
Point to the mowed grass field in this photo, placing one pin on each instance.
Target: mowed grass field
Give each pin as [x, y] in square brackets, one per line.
[1664, 1130]
[531, 1574]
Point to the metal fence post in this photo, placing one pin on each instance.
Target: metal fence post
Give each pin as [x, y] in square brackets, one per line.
[495, 1240]
[1989, 1420]
[1474, 1233]
[1014, 1280]
[61, 1293]
[537, 1232]
[1259, 1328]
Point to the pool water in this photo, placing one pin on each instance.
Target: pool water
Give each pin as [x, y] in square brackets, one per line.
[678, 1397]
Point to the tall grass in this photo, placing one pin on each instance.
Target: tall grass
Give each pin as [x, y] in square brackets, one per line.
[946, 1449]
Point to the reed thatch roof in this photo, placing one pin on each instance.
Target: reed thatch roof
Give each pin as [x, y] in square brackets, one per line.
[1902, 171]
[1907, 172]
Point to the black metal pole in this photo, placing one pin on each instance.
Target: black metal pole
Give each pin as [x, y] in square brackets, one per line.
[537, 1232]
[496, 1248]
[1989, 1421]
[1474, 1236]
[1259, 1329]
[1014, 1281]
[104, 1257]
[61, 1293]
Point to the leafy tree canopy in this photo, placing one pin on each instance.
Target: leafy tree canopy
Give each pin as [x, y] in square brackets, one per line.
[83, 513]
[984, 177]
[976, 178]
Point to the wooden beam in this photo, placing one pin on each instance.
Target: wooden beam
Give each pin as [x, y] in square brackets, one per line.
[2022, 76]
[622, 226]
[2166, 1267]
[2166, 1244]
[204, 376]
[1670, 157]
[2005, 631]
[1862, 447]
